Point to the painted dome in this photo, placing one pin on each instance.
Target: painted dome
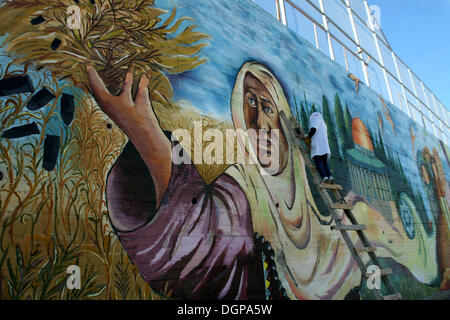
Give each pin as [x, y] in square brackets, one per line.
[361, 135]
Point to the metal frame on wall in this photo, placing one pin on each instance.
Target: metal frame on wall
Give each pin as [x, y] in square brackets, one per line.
[398, 83]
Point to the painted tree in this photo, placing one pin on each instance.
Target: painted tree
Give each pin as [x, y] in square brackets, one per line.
[343, 173]
[348, 128]
[340, 123]
[296, 112]
[304, 119]
[380, 152]
[332, 136]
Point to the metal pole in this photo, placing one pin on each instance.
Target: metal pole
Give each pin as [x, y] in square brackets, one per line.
[419, 107]
[325, 25]
[401, 83]
[377, 45]
[281, 11]
[316, 36]
[355, 33]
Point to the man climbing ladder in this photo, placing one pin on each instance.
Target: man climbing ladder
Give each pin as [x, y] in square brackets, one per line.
[320, 149]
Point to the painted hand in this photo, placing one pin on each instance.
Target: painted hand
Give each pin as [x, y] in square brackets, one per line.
[306, 139]
[137, 119]
[129, 115]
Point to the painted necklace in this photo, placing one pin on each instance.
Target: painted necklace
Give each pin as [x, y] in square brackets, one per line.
[273, 287]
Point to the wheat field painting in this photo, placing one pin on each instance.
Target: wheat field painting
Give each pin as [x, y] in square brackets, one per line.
[51, 219]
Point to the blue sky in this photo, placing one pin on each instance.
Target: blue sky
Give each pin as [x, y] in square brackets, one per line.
[419, 33]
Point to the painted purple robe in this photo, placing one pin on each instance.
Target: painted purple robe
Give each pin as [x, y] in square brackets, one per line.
[198, 244]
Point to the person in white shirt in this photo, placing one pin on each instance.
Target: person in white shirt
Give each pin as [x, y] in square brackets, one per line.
[320, 149]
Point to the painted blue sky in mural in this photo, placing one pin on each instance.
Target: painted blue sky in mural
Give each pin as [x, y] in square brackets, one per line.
[239, 35]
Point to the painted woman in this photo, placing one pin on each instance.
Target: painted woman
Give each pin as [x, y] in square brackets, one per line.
[197, 240]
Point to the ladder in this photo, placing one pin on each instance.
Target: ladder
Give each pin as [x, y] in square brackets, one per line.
[341, 204]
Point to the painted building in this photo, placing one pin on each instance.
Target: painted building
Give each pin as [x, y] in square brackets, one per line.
[368, 174]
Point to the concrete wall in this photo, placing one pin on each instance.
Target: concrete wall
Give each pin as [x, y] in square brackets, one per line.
[78, 188]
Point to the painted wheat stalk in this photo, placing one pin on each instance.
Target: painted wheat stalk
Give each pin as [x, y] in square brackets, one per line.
[112, 34]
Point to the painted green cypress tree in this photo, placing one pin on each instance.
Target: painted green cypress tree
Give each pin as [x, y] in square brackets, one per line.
[296, 105]
[381, 154]
[340, 124]
[304, 119]
[348, 128]
[332, 136]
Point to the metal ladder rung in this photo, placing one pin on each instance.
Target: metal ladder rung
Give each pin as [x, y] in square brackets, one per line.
[330, 186]
[383, 273]
[366, 249]
[354, 227]
[395, 296]
[343, 206]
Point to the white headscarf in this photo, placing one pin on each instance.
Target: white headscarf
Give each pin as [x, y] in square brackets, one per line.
[319, 141]
[237, 111]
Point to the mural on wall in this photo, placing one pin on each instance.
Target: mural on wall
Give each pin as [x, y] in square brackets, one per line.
[89, 118]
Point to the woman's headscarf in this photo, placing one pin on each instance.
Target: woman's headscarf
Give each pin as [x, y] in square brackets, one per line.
[265, 76]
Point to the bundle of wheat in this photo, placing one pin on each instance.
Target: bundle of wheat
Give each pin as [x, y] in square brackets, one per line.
[111, 35]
